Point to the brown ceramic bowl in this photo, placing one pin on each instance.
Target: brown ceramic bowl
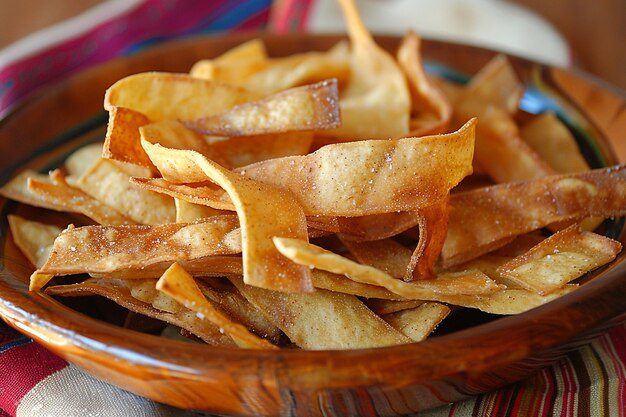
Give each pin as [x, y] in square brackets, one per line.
[385, 381]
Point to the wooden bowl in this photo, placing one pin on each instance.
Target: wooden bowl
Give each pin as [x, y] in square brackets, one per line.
[383, 381]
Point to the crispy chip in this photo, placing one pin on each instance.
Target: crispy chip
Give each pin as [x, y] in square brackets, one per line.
[465, 283]
[34, 239]
[108, 182]
[551, 139]
[178, 284]
[417, 323]
[322, 319]
[74, 200]
[559, 259]
[372, 177]
[431, 111]
[82, 158]
[257, 206]
[310, 107]
[487, 218]
[169, 96]
[117, 290]
[122, 141]
[107, 249]
[244, 150]
[375, 103]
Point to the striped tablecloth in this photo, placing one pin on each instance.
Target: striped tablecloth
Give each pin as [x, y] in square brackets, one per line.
[34, 382]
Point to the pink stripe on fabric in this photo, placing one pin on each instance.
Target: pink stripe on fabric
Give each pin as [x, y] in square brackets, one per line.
[39, 362]
[290, 15]
[149, 20]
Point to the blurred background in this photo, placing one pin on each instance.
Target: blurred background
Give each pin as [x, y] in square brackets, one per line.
[594, 31]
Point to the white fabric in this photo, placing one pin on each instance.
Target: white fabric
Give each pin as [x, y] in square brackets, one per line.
[494, 24]
[85, 396]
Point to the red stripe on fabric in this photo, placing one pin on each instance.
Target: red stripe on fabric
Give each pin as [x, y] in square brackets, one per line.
[22, 368]
[569, 389]
[4, 413]
[613, 344]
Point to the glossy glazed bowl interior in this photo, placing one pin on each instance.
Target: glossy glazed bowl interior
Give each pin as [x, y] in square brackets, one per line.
[383, 381]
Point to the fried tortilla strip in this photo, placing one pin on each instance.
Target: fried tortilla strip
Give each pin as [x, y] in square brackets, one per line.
[300, 69]
[559, 259]
[375, 103]
[17, 189]
[257, 205]
[465, 283]
[508, 301]
[206, 266]
[204, 193]
[181, 286]
[110, 249]
[188, 212]
[383, 307]
[226, 298]
[431, 111]
[74, 200]
[117, 291]
[374, 176]
[171, 96]
[108, 182]
[497, 84]
[245, 150]
[551, 139]
[386, 254]
[493, 95]
[122, 141]
[338, 283]
[234, 65]
[487, 218]
[322, 319]
[366, 228]
[82, 158]
[35, 239]
[346, 179]
[419, 322]
[433, 228]
[310, 107]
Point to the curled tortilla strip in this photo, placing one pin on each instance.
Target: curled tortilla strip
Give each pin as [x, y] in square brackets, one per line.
[117, 291]
[465, 283]
[375, 103]
[372, 177]
[386, 254]
[81, 159]
[172, 96]
[322, 319]
[258, 206]
[433, 228]
[484, 219]
[431, 110]
[181, 286]
[122, 141]
[310, 107]
[109, 249]
[559, 259]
